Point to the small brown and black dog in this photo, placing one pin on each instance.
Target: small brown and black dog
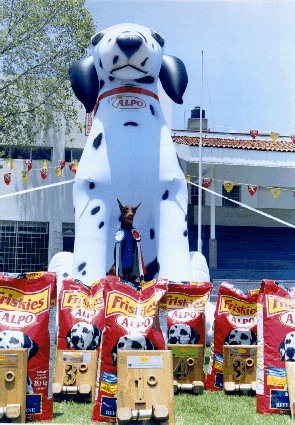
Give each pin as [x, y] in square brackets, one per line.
[126, 218]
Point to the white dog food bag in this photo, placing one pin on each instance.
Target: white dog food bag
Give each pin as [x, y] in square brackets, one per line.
[276, 345]
[81, 315]
[27, 320]
[235, 323]
[135, 319]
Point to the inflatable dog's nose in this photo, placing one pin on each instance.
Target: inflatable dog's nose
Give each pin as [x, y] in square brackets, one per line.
[129, 44]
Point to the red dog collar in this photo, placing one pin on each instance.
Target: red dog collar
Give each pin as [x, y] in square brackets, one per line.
[127, 89]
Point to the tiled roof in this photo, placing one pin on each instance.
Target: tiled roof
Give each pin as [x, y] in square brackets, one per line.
[250, 144]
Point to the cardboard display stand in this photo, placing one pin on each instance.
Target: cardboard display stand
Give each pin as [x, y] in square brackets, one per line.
[290, 370]
[13, 379]
[75, 374]
[188, 362]
[145, 388]
[240, 363]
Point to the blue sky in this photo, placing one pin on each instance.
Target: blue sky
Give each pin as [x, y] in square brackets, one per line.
[249, 56]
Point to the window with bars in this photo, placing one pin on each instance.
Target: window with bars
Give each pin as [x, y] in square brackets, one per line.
[68, 236]
[234, 194]
[25, 152]
[73, 153]
[195, 195]
[23, 246]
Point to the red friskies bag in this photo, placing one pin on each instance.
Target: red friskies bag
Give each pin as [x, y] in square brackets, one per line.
[134, 319]
[235, 323]
[81, 315]
[27, 320]
[186, 312]
[276, 345]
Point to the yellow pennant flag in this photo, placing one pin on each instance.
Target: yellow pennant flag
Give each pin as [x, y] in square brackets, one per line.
[228, 186]
[274, 136]
[58, 171]
[276, 191]
[188, 178]
[44, 164]
[25, 175]
[10, 163]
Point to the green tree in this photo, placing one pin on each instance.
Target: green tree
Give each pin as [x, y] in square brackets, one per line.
[39, 39]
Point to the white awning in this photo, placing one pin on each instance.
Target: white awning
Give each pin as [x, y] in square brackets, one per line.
[228, 156]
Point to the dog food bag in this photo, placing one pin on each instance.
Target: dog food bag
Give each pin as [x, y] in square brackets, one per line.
[276, 345]
[235, 323]
[134, 320]
[27, 320]
[186, 312]
[81, 315]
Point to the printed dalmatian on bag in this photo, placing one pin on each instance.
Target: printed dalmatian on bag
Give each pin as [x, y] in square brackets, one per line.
[186, 312]
[81, 315]
[276, 346]
[27, 320]
[235, 323]
[135, 319]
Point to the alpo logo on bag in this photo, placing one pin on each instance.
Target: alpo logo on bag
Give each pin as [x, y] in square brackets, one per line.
[19, 309]
[284, 308]
[122, 101]
[239, 313]
[81, 305]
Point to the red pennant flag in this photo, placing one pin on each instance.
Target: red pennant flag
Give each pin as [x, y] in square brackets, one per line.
[293, 138]
[29, 164]
[62, 164]
[206, 182]
[254, 134]
[43, 173]
[252, 189]
[7, 178]
[74, 166]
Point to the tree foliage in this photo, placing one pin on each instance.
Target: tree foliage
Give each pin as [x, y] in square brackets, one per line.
[39, 39]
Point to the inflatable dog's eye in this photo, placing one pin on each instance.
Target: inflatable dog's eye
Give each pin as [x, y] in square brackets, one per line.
[96, 38]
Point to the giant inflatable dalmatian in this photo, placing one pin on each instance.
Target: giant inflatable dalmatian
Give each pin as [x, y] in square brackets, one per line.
[129, 154]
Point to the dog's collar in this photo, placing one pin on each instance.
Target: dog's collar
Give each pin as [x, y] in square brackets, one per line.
[127, 89]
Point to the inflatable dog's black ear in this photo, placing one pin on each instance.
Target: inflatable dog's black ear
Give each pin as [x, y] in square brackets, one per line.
[150, 345]
[173, 77]
[84, 81]
[282, 350]
[194, 337]
[68, 338]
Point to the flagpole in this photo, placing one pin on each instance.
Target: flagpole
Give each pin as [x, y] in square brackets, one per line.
[200, 166]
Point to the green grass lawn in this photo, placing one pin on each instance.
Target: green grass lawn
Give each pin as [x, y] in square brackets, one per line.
[211, 407]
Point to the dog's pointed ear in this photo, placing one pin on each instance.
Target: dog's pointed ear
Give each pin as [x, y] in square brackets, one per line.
[253, 338]
[120, 205]
[150, 345]
[173, 77]
[135, 208]
[84, 82]
[195, 337]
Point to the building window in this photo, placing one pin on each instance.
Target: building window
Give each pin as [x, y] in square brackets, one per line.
[25, 152]
[68, 236]
[234, 194]
[73, 153]
[195, 195]
[23, 246]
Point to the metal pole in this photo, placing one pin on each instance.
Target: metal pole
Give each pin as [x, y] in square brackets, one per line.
[200, 168]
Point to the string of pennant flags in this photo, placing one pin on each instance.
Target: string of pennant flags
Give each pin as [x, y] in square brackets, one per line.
[252, 189]
[273, 135]
[44, 168]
